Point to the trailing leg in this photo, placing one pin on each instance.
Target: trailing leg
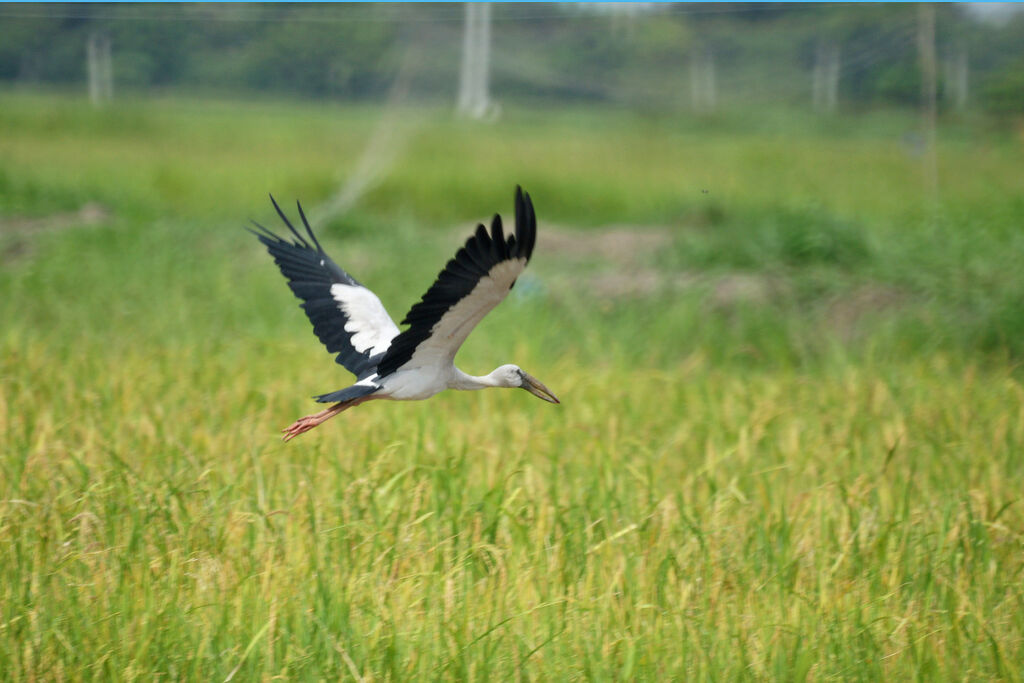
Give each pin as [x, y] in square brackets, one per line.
[304, 424]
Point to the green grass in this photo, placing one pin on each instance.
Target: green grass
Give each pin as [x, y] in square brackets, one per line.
[818, 479]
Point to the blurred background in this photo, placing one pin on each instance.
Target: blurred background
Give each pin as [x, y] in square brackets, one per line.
[775, 182]
[831, 172]
[656, 57]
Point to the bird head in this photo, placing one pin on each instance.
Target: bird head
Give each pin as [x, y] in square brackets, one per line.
[514, 376]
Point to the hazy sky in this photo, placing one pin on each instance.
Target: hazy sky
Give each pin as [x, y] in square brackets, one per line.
[996, 12]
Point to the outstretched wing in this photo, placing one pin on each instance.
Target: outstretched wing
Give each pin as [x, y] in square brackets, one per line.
[348, 318]
[472, 283]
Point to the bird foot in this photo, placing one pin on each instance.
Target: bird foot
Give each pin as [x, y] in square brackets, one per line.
[303, 424]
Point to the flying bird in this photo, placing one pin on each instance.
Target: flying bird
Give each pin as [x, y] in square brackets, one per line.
[415, 364]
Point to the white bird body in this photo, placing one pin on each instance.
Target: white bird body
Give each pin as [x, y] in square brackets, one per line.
[420, 362]
[418, 384]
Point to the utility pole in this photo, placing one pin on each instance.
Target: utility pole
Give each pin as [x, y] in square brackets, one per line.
[473, 100]
[469, 58]
[831, 100]
[926, 48]
[817, 79]
[100, 68]
[825, 78]
[956, 79]
[702, 79]
[483, 67]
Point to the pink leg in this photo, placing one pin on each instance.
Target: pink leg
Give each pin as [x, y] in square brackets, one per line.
[304, 424]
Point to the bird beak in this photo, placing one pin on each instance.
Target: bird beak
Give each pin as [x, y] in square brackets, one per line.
[533, 385]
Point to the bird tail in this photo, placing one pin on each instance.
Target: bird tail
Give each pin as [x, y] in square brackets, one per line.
[348, 393]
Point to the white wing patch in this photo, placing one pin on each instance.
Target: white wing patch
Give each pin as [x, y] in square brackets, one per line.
[371, 327]
[451, 330]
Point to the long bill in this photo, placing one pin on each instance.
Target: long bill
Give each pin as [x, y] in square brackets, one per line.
[535, 387]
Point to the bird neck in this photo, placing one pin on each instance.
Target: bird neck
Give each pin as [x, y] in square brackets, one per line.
[466, 382]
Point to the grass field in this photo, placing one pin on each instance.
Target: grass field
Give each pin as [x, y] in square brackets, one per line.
[791, 444]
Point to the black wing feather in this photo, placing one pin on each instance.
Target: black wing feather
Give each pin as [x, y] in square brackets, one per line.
[481, 253]
[310, 273]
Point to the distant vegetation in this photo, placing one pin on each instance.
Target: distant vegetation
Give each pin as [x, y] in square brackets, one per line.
[761, 52]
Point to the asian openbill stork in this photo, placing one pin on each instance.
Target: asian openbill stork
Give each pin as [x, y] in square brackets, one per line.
[415, 364]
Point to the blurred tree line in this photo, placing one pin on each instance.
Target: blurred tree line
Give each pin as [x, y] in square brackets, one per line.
[639, 55]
